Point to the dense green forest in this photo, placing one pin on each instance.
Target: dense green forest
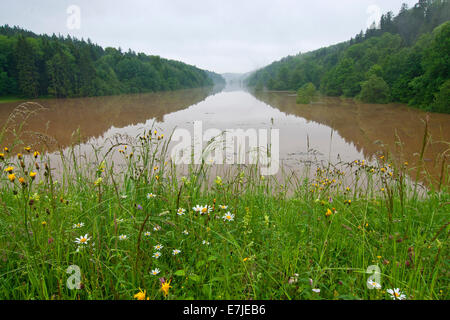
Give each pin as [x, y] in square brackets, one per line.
[406, 58]
[40, 65]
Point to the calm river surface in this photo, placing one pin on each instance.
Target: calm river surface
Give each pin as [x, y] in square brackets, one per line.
[335, 129]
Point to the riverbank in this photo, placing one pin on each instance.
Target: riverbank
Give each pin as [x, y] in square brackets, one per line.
[357, 100]
[149, 233]
[6, 99]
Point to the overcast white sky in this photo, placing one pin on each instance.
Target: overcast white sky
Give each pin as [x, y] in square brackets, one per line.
[218, 35]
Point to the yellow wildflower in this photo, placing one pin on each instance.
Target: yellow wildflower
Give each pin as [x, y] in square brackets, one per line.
[140, 295]
[165, 287]
[9, 169]
[33, 175]
[102, 166]
[12, 177]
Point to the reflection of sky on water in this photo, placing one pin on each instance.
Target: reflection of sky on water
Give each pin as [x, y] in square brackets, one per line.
[334, 129]
[239, 109]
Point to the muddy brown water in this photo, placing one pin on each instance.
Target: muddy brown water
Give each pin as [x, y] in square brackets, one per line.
[332, 129]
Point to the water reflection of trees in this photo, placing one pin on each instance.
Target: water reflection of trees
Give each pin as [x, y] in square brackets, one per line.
[374, 128]
[94, 116]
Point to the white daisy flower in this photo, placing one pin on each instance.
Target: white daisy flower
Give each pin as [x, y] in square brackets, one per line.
[228, 216]
[155, 271]
[83, 239]
[373, 285]
[78, 225]
[147, 234]
[156, 228]
[293, 279]
[158, 247]
[185, 232]
[205, 209]
[396, 294]
[124, 196]
[157, 254]
[123, 237]
[316, 290]
[151, 195]
[175, 252]
[180, 211]
[202, 209]
[223, 207]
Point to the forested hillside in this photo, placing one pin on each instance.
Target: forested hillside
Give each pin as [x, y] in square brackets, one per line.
[39, 65]
[406, 58]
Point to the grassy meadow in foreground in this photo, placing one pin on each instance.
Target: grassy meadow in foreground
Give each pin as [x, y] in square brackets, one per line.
[146, 232]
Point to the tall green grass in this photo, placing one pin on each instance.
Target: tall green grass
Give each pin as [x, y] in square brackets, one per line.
[290, 234]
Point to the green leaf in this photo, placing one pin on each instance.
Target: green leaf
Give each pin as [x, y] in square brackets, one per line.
[194, 277]
[200, 263]
[180, 273]
[219, 279]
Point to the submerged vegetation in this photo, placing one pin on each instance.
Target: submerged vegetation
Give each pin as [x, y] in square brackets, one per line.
[403, 59]
[33, 66]
[374, 90]
[306, 94]
[138, 229]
